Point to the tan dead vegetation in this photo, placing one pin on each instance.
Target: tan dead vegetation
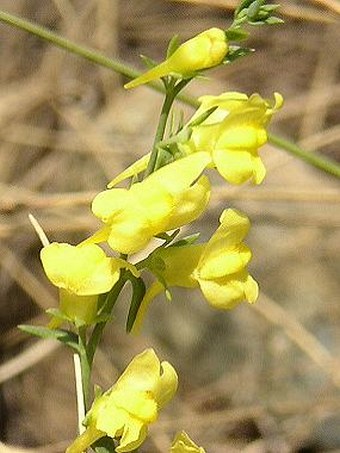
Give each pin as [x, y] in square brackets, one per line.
[258, 379]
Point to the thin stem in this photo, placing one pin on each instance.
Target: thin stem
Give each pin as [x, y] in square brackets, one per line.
[85, 366]
[79, 392]
[172, 92]
[97, 333]
[313, 159]
[167, 104]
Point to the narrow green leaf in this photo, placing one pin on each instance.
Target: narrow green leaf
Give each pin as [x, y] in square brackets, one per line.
[149, 62]
[188, 240]
[237, 34]
[173, 45]
[138, 292]
[273, 20]
[64, 336]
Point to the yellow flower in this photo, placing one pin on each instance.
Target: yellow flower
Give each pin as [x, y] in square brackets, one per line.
[167, 199]
[203, 51]
[218, 267]
[233, 133]
[127, 408]
[81, 273]
[221, 271]
[183, 444]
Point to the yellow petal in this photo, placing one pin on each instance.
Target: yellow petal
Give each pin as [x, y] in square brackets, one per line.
[109, 203]
[203, 51]
[142, 373]
[180, 263]
[242, 137]
[259, 169]
[227, 292]
[83, 270]
[78, 308]
[221, 262]
[234, 226]
[139, 404]
[235, 166]
[133, 436]
[167, 385]
[133, 170]
[179, 175]
[190, 204]
[251, 289]
[183, 444]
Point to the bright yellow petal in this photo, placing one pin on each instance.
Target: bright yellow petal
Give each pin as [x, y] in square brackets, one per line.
[203, 51]
[221, 262]
[190, 204]
[234, 226]
[130, 233]
[242, 137]
[167, 385]
[227, 292]
[133, 170]
[78, 308]
[133, 436]
[234, 166]
[183, 444]
[109, 418]
[259, 169]
[178, 176]
[251, 289]
[83, 270]
[180, 263]
[109, 203]
[142, 374]
[138, 404]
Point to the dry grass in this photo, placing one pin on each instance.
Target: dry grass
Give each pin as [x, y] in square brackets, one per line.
[258, 379]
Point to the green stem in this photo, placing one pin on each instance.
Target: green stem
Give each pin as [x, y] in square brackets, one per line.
[85, 366]
[167, 104]
[313, 159]
[97, 333]
[172, 92]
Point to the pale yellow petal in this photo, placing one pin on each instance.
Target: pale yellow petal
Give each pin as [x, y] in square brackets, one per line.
[241, 137]
[190, 204]
[227, 292]
[133, 170]
[183, 444]
[180, 263]
[78, 308]
[220, 262]
[234, 226]
[109, 203]
[142, 374]
[259, 169]
[129, 234]
[133, 436]
[178, 175]
[83, 270]
[139, 404]
[234, 166]
[251, 289]
[167, 385]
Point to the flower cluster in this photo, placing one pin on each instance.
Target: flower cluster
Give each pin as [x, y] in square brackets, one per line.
[127, 408]
[225, 133]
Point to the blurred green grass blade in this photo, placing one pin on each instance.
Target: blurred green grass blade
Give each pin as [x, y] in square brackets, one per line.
[316, 160]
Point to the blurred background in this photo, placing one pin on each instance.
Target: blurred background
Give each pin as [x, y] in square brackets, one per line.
[262, 378]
